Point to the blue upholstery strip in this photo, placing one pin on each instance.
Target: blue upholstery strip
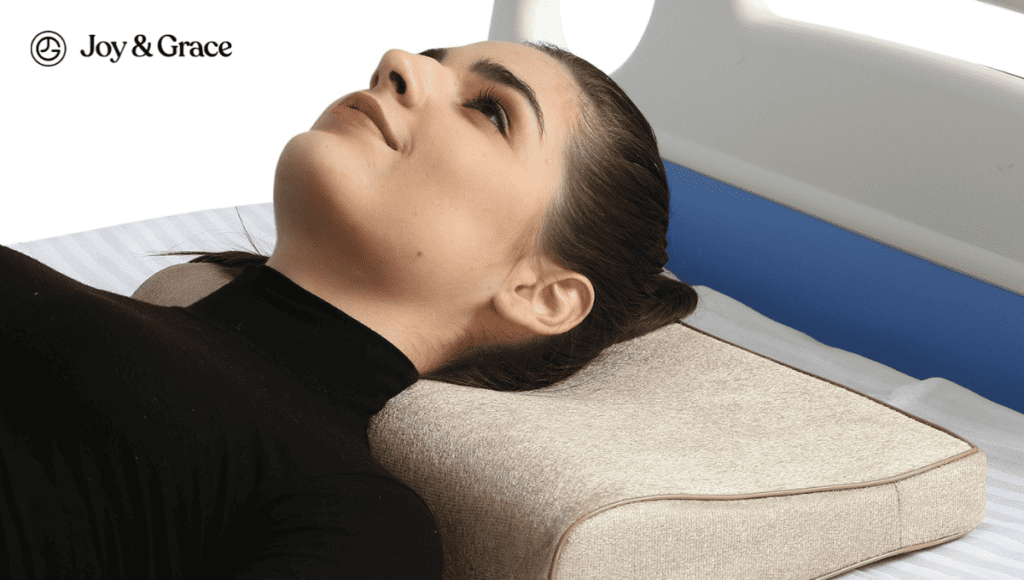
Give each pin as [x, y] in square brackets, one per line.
[845, 290]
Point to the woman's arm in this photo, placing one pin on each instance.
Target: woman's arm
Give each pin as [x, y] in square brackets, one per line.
[184, 284]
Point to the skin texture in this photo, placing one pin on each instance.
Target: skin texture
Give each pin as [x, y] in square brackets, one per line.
[425, 230]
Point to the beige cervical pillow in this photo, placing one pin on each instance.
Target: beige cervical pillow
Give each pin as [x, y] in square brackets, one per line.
[183, 284]
[675, 455]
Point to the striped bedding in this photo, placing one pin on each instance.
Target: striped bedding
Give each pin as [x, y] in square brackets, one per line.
[119, 258]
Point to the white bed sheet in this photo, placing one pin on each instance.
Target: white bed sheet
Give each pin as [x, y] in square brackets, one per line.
[119, 258]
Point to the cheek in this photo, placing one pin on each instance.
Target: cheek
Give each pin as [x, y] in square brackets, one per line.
[467, 229]
[470, 198]
[513, 200]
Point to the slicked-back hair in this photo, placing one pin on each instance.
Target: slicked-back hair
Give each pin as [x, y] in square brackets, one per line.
[608, 223]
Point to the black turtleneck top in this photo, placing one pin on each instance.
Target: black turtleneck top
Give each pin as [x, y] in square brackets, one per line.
[223, 440]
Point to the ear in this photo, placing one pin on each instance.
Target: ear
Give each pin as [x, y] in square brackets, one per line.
[542, 298]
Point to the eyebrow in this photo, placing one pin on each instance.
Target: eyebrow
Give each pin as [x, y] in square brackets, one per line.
[498, 74]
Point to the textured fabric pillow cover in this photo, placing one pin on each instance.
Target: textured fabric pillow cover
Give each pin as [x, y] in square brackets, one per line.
[676, 455]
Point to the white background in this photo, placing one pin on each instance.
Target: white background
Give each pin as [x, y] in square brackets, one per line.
[90, 143]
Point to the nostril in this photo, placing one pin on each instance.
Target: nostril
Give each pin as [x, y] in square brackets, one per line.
[399, 82]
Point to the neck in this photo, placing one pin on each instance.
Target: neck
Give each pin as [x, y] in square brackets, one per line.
[427, 337]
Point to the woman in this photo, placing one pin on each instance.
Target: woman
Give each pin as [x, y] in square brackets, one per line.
[492, 215]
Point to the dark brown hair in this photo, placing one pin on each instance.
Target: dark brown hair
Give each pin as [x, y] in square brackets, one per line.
[609, 223]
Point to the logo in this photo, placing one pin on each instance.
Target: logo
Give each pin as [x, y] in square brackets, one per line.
[168, 45]
[48, 48]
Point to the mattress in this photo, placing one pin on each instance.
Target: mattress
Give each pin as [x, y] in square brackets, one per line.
[119, 258]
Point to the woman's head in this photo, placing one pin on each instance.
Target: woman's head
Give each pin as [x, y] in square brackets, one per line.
[608, 223]
[430, 186]
[514, 189]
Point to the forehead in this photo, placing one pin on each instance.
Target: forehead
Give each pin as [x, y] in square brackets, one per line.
[511, 54]
[526, 62]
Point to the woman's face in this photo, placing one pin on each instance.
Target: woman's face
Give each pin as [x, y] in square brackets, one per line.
[428, 185]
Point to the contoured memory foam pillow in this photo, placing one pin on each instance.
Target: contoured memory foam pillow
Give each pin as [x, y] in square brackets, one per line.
[677, 455]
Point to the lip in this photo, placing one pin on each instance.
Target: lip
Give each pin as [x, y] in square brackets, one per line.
[367, 105]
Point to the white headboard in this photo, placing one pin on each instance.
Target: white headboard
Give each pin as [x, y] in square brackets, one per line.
[913, 149]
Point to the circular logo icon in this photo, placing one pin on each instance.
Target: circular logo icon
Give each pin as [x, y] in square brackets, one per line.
[48, 48]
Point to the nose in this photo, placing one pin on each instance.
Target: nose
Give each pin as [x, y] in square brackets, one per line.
[406, 75]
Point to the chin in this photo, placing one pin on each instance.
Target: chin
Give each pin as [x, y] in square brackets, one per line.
[327, 197]
[324, 164]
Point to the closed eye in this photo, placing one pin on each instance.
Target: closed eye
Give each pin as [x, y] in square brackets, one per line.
[489, 104]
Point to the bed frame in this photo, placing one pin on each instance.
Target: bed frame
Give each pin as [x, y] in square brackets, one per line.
[864, 192]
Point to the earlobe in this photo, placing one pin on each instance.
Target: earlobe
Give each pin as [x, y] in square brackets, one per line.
[547, 304]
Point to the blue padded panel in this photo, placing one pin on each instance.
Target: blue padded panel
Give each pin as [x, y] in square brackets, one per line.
[845, 290]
